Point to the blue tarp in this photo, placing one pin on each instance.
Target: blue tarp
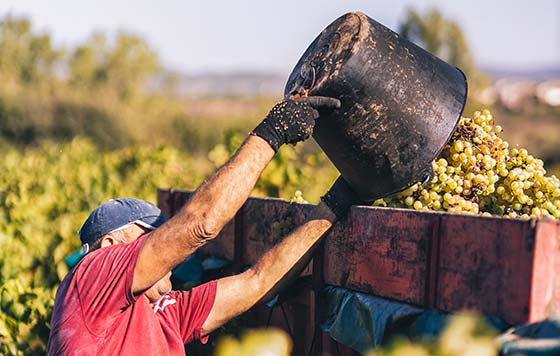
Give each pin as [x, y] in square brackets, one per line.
[192, 268]
[361, 322]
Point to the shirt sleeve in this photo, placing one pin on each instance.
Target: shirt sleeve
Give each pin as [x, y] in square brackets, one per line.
[194, 307]
[104, 282]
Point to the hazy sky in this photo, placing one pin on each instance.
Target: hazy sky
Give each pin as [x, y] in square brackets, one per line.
[212, 35]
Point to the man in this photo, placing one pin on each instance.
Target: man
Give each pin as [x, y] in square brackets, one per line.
[118, 299]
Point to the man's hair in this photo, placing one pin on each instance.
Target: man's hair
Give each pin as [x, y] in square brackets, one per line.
[95, 245]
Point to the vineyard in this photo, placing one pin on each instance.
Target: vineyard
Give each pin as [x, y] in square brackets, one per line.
[48, 191]
[71, 142]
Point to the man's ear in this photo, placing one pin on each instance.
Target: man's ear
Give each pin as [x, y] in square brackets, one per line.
[108, 240]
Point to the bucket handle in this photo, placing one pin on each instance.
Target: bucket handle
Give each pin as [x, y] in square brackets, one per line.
[426, 175]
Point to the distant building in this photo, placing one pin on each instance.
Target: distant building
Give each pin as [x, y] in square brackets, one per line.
[549, 92]
[515, 94]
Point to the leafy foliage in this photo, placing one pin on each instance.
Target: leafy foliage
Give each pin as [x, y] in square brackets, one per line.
[78, 129]
[270, 342]
[123, 66]
[444, 38]
[111, 89]
[290, 170]
[25, 56]
[46, 194]
[466, 334]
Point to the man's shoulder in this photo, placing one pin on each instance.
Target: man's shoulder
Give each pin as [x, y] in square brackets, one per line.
[92, 258]
[106, 255]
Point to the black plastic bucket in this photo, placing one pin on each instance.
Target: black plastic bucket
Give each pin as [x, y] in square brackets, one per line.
[400, 104]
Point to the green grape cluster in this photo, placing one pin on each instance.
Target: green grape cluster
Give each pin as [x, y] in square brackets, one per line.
[477, 172]
[298, 198]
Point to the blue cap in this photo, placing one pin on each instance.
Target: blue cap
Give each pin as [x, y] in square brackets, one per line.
[117, 213]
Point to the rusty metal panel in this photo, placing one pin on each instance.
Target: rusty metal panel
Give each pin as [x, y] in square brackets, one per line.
[266, 222]
[497, 266]
[164, 201]
[181, 197]
[486, 265]
[544, 282]
[382, 252]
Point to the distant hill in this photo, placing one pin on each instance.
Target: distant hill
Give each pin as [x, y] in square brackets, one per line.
[272, 84]
[537, 74]
[243, 84]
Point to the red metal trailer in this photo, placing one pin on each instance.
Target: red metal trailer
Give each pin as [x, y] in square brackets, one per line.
[497, 266]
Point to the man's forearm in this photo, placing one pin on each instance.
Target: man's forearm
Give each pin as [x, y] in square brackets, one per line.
[212, 205]
[278, 266]
[217, 200]
[287, 259]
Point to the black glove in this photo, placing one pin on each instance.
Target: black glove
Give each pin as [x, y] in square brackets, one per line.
[292, 120]
[340, 198]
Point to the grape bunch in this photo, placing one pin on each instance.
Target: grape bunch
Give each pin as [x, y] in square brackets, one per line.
[477, 172]
[298, 198]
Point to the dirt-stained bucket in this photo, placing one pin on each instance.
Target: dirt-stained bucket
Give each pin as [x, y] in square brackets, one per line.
[400, 104]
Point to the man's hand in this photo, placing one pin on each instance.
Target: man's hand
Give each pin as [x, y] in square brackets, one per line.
[340, 198]
[292, 120]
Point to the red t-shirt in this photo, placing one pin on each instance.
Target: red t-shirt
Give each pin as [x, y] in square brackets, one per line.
[95, 312]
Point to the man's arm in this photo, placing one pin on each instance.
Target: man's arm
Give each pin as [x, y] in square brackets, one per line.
[283, 262]
[237, 294]
[217, 200]
[212, 205]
